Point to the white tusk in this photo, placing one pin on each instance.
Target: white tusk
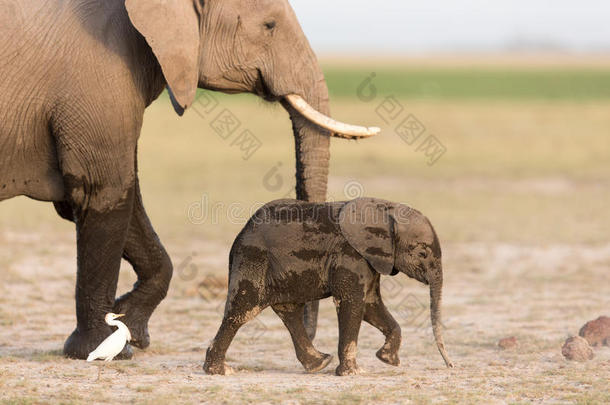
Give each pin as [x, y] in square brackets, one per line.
[338, 129]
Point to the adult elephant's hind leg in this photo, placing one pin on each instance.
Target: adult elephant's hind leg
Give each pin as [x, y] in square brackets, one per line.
[144, 251]
[96, 148]
[308, 355]
[310, 318]
[64, 210]
[101, 225]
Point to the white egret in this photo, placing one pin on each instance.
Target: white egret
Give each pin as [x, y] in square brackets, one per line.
[113, 344]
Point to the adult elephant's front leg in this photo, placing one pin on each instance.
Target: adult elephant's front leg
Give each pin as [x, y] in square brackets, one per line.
[144, 251]
[101, 226]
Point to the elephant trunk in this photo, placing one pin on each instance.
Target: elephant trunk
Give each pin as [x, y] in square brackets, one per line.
[312, 144]
[436, 289]
[300, 84]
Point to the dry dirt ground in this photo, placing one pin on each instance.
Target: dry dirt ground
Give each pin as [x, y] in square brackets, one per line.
[540, 295]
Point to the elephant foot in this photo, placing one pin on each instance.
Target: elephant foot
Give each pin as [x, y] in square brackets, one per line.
[214, 365]
[221, 368]
[388, 356]
[139, 334]
[126, 353]
[318, 364]
[80, 344]
[136, 321]
[350, 368]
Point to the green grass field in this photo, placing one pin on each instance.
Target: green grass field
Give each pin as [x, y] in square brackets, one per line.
[472, 83]
[575, 84]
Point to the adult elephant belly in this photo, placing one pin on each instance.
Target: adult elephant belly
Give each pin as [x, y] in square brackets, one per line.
[28, 162]
[28, 159]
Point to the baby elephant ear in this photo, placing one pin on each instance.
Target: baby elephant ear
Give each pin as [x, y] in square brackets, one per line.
[368, 226]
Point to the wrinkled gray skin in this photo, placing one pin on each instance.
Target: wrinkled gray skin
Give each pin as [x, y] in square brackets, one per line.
[293, 252]
[75, 79]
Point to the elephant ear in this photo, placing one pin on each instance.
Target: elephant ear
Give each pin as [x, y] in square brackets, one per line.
[171, 28]
[368, 226]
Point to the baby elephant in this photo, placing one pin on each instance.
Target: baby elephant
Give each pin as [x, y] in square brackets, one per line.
[293, 252]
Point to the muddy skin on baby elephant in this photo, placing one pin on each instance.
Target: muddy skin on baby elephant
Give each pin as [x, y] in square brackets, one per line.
[94, 66]
[337, 250]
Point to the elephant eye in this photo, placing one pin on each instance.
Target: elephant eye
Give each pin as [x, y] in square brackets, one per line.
[423, 254]
[270, 25]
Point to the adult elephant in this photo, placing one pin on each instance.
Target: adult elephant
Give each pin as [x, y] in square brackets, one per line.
[75, 79]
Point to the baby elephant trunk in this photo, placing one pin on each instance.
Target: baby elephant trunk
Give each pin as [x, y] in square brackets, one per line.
[436, 289]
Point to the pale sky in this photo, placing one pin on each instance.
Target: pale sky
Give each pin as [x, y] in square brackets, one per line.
[453, 25]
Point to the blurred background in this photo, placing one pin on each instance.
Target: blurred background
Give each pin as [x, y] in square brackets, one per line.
[409, 26]
[496, 123]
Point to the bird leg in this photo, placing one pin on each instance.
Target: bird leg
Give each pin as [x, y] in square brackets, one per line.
[99, 372]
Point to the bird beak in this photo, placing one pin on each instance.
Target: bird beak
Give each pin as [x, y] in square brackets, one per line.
[119, 315]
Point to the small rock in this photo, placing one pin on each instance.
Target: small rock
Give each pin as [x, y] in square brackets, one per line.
[508, 343]
[597, 332]
[577, 349]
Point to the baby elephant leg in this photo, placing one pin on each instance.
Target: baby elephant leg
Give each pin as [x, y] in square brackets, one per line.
[376, 314]
[308, 355]
[235, 317]
[350, 314]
